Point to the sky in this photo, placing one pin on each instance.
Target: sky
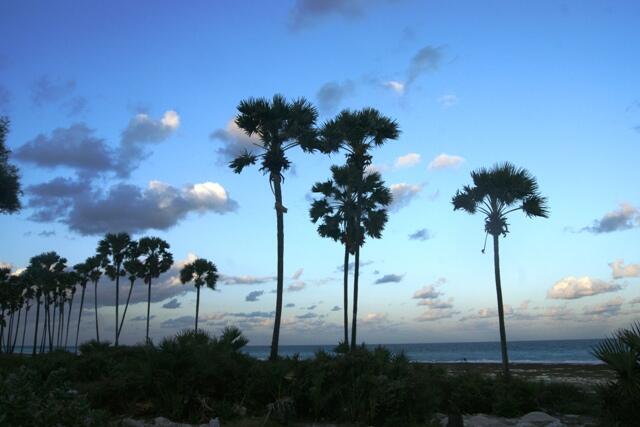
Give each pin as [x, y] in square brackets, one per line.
[122, 120]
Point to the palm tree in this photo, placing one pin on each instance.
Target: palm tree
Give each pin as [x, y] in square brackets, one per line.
[495, 193]
[202, 273]
[357, 132]
[133, 267]
[112, 249]
[280, 125]
[94, 266]
[83, 271]
[9, 175]
[156, 260]
[29, 294]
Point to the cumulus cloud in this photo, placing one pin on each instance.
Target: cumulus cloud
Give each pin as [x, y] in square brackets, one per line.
[234, 142]
[74, 147]
[402, 194]
[306, 12]
[427, 292]
[331, 94]
[296, 286]
[124, 207]
[297, 274]
[290, 305]
[142, 318]
[141, 131]
[578, 287]
[172, 305]
[426, 60]
[635, 301]
[397, 87]
[436, 314]
[374, 318]
[47, 90]
[389, 278]
[253, 314]
[336, 308]
[352, 264]
[606, 309]
[487, 313]
[245, 279]
[619, 270]
[444, 161]
[422, 235]
[624, 218]
[253, 296]
[307, 316]
[181, 322]
[407, 161]
[47, 233]
[448, 100]
[436, 304]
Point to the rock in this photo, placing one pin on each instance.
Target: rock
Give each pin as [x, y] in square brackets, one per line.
[482, 420]
[215, 422]
[539, 419]
[129, 422]
[454, 420]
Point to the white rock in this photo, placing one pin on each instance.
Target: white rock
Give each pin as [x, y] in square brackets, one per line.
[215, 422]
[539, 419]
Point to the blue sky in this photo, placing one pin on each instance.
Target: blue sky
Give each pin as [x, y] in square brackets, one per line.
[139, 98]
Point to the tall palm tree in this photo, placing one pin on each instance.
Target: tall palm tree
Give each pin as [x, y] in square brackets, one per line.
[202, 273]
[357, 132]
[83, 271]
[29, 295]
[280, 125]
[336, 210]
[156, 259]
[9, 175]
[133, 267]
[112, 249]
[94, 266]
[495, 193]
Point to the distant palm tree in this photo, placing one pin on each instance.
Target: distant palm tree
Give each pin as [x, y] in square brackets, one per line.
[9, 175]
[112, 250]
[83, 271]
[156, 259]
[94, 267]
[202, 273]
[280, 125]
[134, 270]
[495, 193]
[357, 132]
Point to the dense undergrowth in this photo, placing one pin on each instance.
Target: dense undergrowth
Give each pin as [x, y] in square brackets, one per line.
[193, 377]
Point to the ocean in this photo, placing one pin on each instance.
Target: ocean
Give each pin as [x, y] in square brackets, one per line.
[551, 351]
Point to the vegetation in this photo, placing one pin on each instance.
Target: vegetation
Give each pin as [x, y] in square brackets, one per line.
[193, 377]
[621, 397]
[9, 176]
[202, 273]
[497, 192]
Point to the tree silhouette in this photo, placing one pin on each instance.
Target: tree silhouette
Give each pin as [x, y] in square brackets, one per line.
[94, 265]
[134, 270]
[202, 273]
[495, 193]
[156, 259]
[280, 125]
[83, 272]
[112, 250]
[357, 132]
[9, 176]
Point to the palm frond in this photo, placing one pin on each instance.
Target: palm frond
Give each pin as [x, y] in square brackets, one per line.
[242, 161]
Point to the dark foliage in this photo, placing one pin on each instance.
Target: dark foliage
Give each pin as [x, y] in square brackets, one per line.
[9, 176]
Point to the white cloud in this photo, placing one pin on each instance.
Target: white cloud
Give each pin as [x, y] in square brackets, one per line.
[578, 287]
[374, 318]
[397, 87]
[297, 274]
[403, 193]
[235, 142]
[407, 161]
[444, 160]
[619, 270]
[448, 100]
[606, 309]
[427, 292]
[296, 286]
[625, 218]
[436, 314]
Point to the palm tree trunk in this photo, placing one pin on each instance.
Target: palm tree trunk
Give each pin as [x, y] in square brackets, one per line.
[146, 340]
[95, 308]
[124, 314]
[280, 209]
[80, 316]
[346, 294]
[356, 274]
[9, 332]
[51, 318]
[66, 338]
[15, 336]
[61, 323]
[197, 305]
[503, 334]
[117, 298]
[24, 329]
[2, 322]
[35, 329]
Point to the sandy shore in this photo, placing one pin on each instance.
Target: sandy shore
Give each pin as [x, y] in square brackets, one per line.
[585, 375]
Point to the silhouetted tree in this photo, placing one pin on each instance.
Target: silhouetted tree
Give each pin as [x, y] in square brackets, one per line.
[112, 250]
[202, 273]
[9, 176]
[94, 265]
[134, 270]
[156, 259]
[495, 193]
[357, 132]
[83, 271]
[280, 125]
